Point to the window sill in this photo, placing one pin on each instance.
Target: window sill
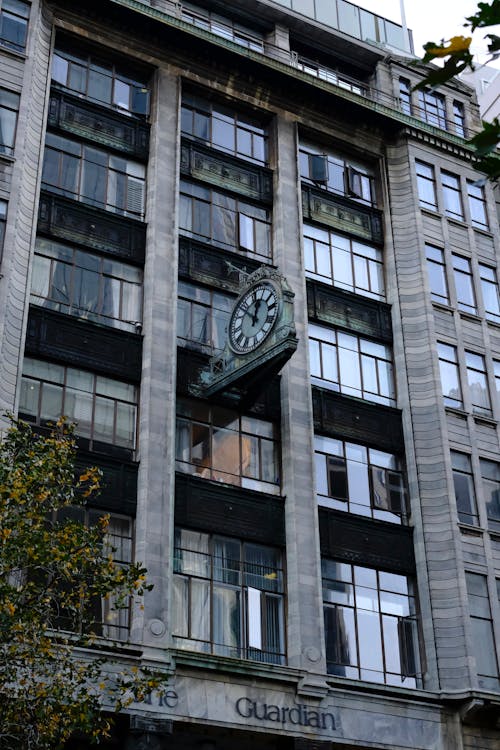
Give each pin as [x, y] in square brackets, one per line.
[486, 232]
[15, 53]
[7, 158]
[442, 306]
[469, 316]
[431, 212]
[457, 222]
[456, 411]
[484, 419]
[469, 529]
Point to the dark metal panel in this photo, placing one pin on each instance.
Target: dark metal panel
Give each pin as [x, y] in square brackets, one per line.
[98, 124]
[92, 227]
[118, 491]
[353, 419]
[202, 263]
[363, 541]
[222, 509]
[80, 343]
[343, 214]
[226, 172]
[338, 308]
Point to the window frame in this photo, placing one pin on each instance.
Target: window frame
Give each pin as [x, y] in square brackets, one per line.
[195, 297]
[438, 280]
[461, 468]
[405, 101]
[432, 108]
[64, 392]
[327, 342]
[345, 176]
[450, 363]
[20, 18]
[464, 284]
[482, 635]
[475, 365]
[477, 205]
[493, 520]
[459, 118]
[490, 291]
[452, 196]
[7, 146]
[210, 573]
[426, 184]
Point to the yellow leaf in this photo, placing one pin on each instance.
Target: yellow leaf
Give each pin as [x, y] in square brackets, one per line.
[455, 44]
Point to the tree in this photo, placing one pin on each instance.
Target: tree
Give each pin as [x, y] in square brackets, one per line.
[457, 58]
[55, 572]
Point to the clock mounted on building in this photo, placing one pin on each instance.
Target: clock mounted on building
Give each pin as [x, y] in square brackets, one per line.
[260, 338]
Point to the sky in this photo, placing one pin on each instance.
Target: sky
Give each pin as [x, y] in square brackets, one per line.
[432, 20]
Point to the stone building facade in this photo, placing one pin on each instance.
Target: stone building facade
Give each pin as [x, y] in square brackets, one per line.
[316, 493]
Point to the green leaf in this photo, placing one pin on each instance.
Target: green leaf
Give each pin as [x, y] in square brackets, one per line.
[487, 15]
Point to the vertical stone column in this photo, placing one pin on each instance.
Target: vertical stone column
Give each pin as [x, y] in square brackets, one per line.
[23, 180]
[306, 648]
[155, 500]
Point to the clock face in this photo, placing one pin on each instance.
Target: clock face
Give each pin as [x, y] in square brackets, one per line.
[253, 317]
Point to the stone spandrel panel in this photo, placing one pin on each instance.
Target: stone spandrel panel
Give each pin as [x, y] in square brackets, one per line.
[444, 322]
[458, 428]
[472, 332]
[485, 246]
[5, 178]
[486, 437]
[433, 228]
[458, 236]
[473, 547]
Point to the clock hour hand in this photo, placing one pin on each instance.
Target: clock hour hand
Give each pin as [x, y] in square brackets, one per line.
[255, 316]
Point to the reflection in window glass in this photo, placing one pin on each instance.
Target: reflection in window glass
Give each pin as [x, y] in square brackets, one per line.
[464, 488]
[203, 315]
[9, 106]
[477, 205]
[490, 474]
[491, 296]
[370, 624]
[104, 410]
[359, 480]
[437, 274]
[432, 108]
[452, 198]
[426, 184]
[228, 597]
[483, 642]
[450, 381]
[14, 16]
[459, 118]
[218, 444]
[462, 273]
[88, 286]
[478, 383]
[341, 175]
[343, 262]
[349, 364]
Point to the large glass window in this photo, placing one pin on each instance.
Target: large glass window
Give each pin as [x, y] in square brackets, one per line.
[352, 365]
[491, 296]
[3, 220]
[360, 480]
[104, 410]
[370, 624]
[223, 128]
[426, 184]
[432, 108]
[343, 262]
[437, 274]
[228, 597]
[464, 488]
[9, 106]
[478, 383]
[14, 16]
[483, 641]
[93, 176]
[219, 444]
[225, 221]
[459, 118]
[450, 378]
[336, 173]
[222, 26]
[88, 286]
[202, 316]
[99, 81]
[452, 198]
[462, 274]
[490, 475]
[103, 617]
[477, 205]
[405, 95]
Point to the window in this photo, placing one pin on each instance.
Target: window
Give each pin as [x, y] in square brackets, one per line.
[9, 106]
[452, 198]
[14, 16]
[225, 221]
[359, 480]
[98, 81]
[462, 274]
[79, 283]
[426, 184]
[203, 316]
[343, 262]
[464, 488]
[228, 597]
[489, 287]
[432, 108]
[437, 274]
[351, 365]
[222, 26]
[216, 443]
[496, 368]
[105, 410]
[342, 176]
[3, 220]
[93, 176]
[370, 624]
[459, 118]
[320, 71]
[490, 475]
[477, 205]
[405, 95]
[482, 631]
[106, 617]
[223, 128]
[450, 380]
[478, 384]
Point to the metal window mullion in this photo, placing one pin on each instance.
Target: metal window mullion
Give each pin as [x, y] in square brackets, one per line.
[94, 398]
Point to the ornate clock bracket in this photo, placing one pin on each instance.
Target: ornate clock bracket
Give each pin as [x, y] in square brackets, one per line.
[260, 339]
